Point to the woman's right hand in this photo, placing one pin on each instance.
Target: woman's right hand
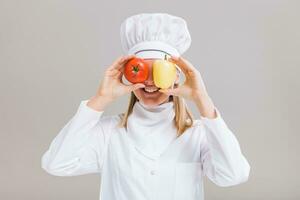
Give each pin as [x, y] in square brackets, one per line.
[111, 86]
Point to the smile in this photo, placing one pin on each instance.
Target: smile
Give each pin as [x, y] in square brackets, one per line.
[150, 90]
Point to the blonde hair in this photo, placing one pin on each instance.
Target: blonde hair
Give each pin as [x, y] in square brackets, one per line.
[183, 116]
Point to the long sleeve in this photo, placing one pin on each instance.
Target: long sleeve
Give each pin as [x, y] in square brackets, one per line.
[223, 162]
[79, 147]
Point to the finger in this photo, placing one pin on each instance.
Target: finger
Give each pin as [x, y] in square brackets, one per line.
[184, 64]
[175, 91]
[121, 73]
[134, 87]
[116, 73]
[112, 72]
[122, 70]
[121, 61]
[119, 76]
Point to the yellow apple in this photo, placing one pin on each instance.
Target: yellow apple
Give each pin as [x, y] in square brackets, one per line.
[164, 73]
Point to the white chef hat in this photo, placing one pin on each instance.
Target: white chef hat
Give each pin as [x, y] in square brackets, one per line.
[153, 35]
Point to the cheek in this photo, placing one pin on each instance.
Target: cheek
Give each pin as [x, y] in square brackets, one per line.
[164, 97]
[138, 93]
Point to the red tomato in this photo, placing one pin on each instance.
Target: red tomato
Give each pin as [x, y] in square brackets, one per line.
[136, 70]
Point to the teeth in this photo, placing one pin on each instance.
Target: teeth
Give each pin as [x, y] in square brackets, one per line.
[151, 89]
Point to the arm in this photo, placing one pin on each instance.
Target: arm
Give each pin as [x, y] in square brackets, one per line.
[221, 156]
[80, 145]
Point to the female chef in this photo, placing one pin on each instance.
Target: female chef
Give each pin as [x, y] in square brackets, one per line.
[155, 150]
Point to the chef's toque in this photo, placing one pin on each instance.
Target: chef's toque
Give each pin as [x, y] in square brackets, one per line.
[154, 35]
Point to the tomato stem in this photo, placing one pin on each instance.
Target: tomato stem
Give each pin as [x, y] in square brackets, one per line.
[135, 68]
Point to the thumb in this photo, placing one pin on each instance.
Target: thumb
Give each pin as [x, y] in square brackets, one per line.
[136, 86]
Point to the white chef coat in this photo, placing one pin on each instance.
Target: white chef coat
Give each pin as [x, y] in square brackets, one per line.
[147, 161]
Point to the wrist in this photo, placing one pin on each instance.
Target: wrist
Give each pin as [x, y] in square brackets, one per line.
[103, 98]
[205, 105]
[99, 103]
[200, 96]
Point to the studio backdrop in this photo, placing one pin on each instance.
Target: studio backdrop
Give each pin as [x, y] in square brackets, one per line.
[53, 54]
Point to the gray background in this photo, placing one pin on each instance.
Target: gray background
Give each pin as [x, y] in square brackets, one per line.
[52, 54]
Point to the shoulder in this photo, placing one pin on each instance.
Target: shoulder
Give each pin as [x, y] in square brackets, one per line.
[197, 123]
[197, 128]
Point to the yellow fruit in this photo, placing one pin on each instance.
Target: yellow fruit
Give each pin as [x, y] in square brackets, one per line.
[164, 73]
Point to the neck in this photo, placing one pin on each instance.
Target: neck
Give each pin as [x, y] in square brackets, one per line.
[170, 99]
[153, 115]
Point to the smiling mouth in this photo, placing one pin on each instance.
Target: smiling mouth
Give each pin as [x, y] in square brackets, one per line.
[150, 89]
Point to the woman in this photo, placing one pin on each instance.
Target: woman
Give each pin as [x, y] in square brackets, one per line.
[156, 150]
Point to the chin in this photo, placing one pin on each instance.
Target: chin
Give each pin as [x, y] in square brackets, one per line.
[152, 103]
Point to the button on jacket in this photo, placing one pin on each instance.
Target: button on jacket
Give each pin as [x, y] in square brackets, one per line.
[147, 161]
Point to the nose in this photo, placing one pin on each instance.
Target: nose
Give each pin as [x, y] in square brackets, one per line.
[149, 81]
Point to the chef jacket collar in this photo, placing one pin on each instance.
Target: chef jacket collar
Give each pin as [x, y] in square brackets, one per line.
[152, 129]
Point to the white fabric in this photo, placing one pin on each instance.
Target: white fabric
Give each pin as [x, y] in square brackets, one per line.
[152, 129]
[92, 143]
[153, 35]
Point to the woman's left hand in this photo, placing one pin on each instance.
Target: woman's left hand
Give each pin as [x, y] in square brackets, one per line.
[193, 87]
